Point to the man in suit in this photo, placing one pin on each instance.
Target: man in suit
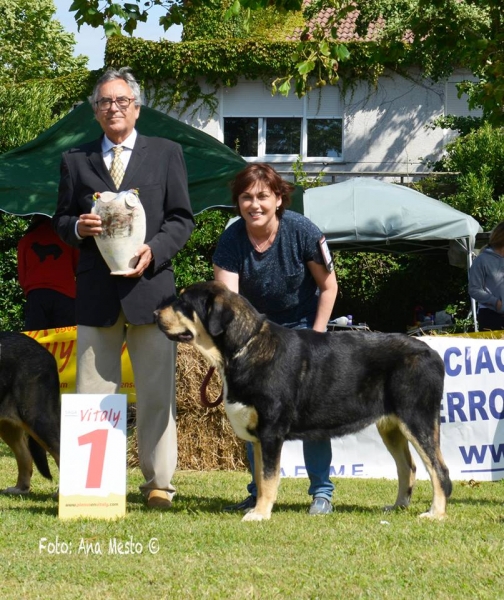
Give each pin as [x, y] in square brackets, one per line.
[112, 309]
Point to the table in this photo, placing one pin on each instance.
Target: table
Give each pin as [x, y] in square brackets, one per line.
[331, 326]
[417, 331]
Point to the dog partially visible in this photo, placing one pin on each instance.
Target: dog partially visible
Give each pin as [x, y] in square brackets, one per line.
[29, 406]
[284, 384]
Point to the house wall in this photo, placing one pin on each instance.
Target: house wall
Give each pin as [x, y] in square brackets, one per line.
[384, 127]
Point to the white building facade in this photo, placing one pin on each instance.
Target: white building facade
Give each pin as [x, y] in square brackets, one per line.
[372, 130]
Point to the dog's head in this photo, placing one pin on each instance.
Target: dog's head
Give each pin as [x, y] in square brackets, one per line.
[210, 317]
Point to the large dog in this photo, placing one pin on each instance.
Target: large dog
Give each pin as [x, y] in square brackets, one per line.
[29, 406]
[283, 384]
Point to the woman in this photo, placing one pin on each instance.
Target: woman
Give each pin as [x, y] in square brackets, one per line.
[486, 281]
[277, 260]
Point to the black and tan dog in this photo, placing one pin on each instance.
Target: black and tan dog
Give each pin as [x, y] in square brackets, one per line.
[29, 406]
[283, 384]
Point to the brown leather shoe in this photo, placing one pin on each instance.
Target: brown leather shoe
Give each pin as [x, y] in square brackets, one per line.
[158, 499]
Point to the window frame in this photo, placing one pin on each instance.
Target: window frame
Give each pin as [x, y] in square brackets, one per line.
[261, 143]
[306, 108]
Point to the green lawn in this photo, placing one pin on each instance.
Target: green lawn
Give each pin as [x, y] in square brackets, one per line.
[196, 551]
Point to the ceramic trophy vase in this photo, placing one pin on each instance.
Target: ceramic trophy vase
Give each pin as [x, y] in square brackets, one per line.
[123, 229]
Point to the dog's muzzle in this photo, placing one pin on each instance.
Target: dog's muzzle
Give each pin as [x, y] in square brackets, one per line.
[184, 336]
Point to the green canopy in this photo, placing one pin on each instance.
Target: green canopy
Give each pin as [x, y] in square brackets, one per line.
[29, 175]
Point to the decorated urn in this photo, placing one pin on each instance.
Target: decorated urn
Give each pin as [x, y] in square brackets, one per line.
[123, 229]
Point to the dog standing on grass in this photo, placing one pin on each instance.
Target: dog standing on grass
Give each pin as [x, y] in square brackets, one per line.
[29, 406]
[286, 384]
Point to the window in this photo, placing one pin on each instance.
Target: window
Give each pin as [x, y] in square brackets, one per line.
[258, 125]
[241, 134]
[283, 136]
[324, 137]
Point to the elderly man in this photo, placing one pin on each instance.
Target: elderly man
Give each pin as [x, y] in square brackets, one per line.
[112, 309]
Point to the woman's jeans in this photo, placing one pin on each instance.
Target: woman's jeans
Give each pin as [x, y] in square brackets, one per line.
[317, 457]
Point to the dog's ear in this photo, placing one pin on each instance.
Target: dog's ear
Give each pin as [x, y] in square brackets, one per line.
[219, 316]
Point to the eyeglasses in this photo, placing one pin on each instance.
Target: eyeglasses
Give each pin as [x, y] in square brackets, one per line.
[122, 103]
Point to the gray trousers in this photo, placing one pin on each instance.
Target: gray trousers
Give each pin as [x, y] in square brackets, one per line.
[153, 358]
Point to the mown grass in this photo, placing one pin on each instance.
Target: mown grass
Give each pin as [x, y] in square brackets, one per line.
[200, 552]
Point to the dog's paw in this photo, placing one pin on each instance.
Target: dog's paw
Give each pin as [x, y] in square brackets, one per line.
[15, 491]
[433, 516]
[252, 515]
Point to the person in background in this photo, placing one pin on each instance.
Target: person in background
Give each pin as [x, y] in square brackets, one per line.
[112, 309]
[46, 273]
[279, 261]
[486, 281]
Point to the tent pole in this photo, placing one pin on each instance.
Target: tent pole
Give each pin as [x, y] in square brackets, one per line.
[473, 301]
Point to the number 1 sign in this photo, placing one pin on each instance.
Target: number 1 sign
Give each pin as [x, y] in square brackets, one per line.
[93, 456]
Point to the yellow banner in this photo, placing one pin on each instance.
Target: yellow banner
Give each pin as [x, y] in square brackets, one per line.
[62, 344]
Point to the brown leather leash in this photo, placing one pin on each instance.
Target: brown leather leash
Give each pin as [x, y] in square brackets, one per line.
[203, 391]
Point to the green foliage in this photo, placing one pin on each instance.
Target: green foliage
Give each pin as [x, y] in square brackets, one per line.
[318, 55]
[29, 108]
[382, 290]
[12, 298]
[32, 44]
[216, 20]
[209, 23]
[116, 17]
[172, 73]
[302, 178]
[40, 79]
[462, 125]
[478, 157]
[194, 262]
[463, 321]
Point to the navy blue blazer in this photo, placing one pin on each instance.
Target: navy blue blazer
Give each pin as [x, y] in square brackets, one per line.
[157, 169]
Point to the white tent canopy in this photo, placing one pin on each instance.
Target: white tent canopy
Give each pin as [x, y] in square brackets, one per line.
[369, 215]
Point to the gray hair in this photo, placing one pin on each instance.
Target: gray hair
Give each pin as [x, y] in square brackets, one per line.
[123, 73]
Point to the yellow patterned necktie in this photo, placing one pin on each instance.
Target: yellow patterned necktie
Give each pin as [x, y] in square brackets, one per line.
[117, 166]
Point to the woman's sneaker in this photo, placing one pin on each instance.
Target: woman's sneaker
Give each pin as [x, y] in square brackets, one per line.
[320, 506]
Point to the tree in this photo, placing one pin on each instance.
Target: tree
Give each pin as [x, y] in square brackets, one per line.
[36, 65]
[32, 44]
[116, 17]
[437, 35]
[39, 79]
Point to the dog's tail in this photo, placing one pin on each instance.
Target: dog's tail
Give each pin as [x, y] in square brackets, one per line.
[39, 456]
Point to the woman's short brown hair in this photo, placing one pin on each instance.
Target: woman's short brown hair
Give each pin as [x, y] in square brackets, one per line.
[497, 236]
[255, 172]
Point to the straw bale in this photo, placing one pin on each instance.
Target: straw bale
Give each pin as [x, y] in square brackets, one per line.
[206, 440]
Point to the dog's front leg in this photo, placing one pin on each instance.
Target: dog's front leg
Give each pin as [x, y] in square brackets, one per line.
[267, 476]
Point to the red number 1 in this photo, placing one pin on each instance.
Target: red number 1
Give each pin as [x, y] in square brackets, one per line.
[98, 441]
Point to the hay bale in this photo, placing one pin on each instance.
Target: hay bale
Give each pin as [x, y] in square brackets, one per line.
[206, 440]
